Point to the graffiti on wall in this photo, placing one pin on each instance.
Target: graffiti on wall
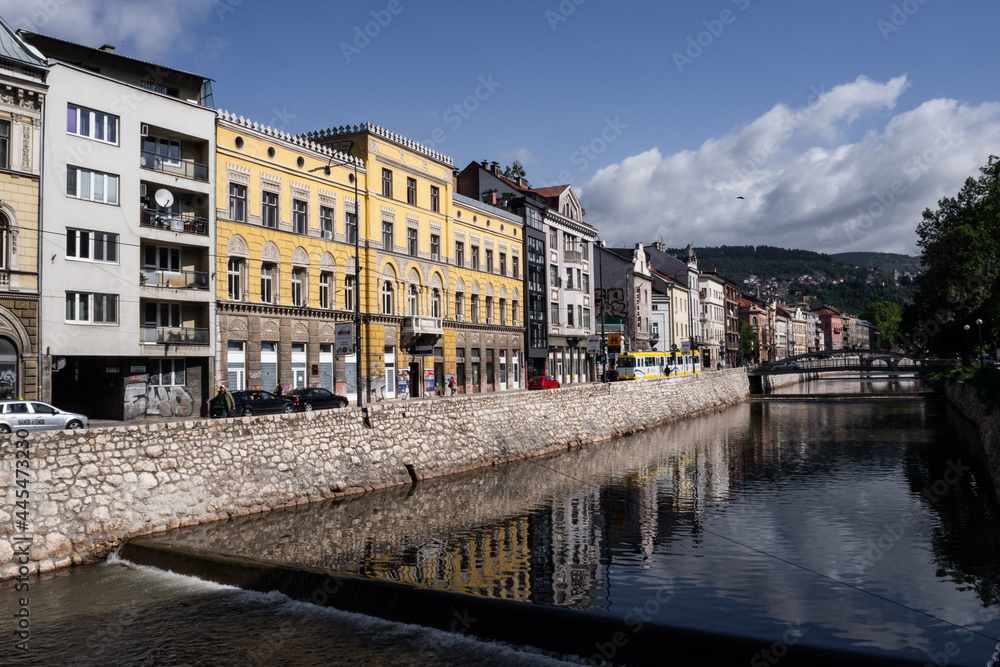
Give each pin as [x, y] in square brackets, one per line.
[143, 400]
[615, 305]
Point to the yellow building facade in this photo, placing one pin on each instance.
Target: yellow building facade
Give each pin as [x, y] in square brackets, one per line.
[442, 274]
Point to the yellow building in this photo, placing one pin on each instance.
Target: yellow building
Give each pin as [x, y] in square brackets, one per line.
[285, 271]
[441, 272]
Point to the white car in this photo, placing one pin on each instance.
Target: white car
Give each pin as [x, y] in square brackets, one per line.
[37, 416]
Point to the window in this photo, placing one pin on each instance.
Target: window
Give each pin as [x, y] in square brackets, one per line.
[475, 257]
[411, 191]
[92, 246]
[351, 226]
[459, 305]
[269, 209]
[298, 278]
[266, 283]
[569, 315]
[324, 290]
[91, 124]
[554, 315]
[234, 272]
[515, 266]
[435, 198]
[503, 311]
[489, 309]
[435, 302]
[459, 253]
[585, 284]
[326, 222]
[503, 264]
[411, 301]
[91, 185]
[387, 297]
[350, 291]
[585, 250]
[4, 241]
[158, 151]
[489, 261]
[386, 235]
[4, 144]
[474, 303]
[435, 247]
[411, 242]
[162, 258]
[554, 275]
[534, 219]
[387, 183]
[300, 216]
[88, 308]
[237, 202]
[569, 278]
[166, 372]
[552, 238]
[569, 242]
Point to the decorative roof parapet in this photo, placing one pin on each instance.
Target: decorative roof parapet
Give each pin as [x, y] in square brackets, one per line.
[298, 140]
[378, 130]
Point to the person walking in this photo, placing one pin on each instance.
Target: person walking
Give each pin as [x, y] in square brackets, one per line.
[277, 390]
[224, 404]
[452, 385]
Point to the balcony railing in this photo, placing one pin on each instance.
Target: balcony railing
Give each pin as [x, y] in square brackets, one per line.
[186, 223]
[173, 279]
[175, 335]
[175, 167]
[418, 326]
[573, 256]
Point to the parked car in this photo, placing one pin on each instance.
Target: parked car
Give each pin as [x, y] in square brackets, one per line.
[543, 382]
[786, 365]
[258, 402]
[37, 416]
[305, 399]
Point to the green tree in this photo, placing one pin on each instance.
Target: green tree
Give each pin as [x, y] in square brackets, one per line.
[750, 344]
[514, 171]
[887, 318]
[960, 244]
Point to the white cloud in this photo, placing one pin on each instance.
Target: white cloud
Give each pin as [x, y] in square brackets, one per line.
[145, 29]
[522, 155]
[807, 182]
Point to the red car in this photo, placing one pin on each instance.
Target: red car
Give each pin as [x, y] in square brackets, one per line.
[543, 382]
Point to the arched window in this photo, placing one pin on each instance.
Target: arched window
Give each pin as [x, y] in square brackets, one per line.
[387, 297]
[411, 305]
[8, 369]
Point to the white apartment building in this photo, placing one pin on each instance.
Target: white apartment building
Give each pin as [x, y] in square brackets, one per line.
[712, 297]
[127, 308]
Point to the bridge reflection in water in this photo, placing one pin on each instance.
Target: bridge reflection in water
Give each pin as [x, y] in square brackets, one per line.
[732, 527]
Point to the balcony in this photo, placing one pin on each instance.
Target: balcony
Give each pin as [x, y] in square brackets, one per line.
[175, 335]
[197, 280]
[173, 166]
[572, 257]
[185, 223]
[420, 331]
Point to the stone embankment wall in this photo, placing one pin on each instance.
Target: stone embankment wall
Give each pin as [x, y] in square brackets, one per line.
[962, 395]
[88, 491]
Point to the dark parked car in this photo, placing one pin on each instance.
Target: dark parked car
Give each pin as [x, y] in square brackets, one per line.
[257, 402]
[315, 398]
[543, 382]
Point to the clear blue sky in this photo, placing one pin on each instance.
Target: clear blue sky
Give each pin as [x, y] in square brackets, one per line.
[837, 122]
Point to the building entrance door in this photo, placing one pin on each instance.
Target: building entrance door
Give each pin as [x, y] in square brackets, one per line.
[415, 379]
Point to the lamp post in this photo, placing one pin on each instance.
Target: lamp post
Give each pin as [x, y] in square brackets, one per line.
[965, 357]
[359, 366]
[600, 279]
[979, 326]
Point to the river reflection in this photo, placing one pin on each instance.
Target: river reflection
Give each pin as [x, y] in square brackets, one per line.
[866, 525]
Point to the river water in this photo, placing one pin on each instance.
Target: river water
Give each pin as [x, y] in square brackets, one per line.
[867, 525]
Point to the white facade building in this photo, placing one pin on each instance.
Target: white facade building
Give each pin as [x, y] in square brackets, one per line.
[128, 234]
[712, 295]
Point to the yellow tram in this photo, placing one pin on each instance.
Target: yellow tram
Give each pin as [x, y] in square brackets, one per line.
[646, 365]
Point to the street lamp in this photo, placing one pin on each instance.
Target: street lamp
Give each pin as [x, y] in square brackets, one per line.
[979, 326]
[358, 366]
[965, 357]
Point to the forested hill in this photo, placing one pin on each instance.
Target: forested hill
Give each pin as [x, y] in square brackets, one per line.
[850, 281]
[739, 262]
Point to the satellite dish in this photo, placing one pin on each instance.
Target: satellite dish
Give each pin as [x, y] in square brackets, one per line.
[164, 198]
